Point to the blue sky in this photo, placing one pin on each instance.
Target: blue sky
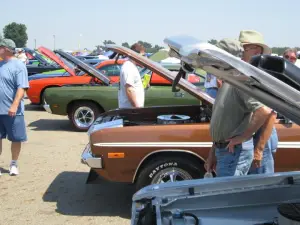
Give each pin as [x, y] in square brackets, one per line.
[152, 21]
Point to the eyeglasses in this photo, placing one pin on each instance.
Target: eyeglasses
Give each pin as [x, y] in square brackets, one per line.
[248, 48]
[290, 58]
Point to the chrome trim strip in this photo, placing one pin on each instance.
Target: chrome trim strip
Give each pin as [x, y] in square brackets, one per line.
[281, 144]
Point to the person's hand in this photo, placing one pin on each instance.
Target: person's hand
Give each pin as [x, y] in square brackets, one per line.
[234, 141]
[210, 163]
[12, 110]
[258, 155]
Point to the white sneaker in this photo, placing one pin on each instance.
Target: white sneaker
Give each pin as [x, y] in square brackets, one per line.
[13, 170]
[0, 172]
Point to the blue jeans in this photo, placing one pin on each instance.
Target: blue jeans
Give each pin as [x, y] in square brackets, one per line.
[212, 92]
[267, 163]
[237, 163]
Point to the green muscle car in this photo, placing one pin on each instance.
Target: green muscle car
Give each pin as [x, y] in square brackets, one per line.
[83, 103]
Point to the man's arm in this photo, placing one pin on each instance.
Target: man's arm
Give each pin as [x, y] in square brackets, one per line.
[266, 131]
[131, 95]
[258, 118]
[21, 79]
[211, 159]
[19, 95]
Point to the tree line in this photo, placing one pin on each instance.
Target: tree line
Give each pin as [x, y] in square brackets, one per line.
[18, 33]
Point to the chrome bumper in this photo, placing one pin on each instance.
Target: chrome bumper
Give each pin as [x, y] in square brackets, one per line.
[47, 108]
[88, 159]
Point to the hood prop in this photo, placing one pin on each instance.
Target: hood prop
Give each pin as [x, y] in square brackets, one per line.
[185, 68]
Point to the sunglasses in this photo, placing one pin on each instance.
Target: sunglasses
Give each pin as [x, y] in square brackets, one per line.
[291, 58]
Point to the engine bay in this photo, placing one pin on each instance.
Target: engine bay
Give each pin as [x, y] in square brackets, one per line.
[159, 115]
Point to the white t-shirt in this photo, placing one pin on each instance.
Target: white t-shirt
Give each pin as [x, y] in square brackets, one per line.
[129, 74]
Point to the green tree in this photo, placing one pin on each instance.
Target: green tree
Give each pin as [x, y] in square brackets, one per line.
[16, 32]
[213, 41]
[106, 42]
[125, 44]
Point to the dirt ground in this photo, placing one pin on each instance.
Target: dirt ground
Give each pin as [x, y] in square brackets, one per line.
[51, 187]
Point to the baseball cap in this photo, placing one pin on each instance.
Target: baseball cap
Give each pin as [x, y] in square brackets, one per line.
[8, 43]
[231, 46]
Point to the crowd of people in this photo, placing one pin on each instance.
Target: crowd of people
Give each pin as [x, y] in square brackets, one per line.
[242, 129]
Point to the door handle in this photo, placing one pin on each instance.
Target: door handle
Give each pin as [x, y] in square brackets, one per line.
[178, 94]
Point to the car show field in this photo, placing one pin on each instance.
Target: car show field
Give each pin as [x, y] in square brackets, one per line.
[51, 187]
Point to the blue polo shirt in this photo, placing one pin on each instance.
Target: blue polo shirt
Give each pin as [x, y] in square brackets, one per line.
[210, 81]
[13, 75]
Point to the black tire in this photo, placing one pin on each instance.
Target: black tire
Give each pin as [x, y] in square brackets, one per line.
[92, 106]
[187, 165]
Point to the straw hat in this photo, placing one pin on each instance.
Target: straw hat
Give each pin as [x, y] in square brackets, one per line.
[254, 37]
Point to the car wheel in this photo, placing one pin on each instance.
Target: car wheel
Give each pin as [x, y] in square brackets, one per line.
[170, 169]
[83, 115]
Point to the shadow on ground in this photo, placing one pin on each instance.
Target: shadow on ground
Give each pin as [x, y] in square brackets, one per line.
[51, 125]
[30, 107]
[74, 197]
[2, 170]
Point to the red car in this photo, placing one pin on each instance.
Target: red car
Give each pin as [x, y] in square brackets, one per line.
[108, 67]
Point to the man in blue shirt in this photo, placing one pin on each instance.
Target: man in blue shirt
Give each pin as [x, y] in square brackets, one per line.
[13, 84]
[211, 85]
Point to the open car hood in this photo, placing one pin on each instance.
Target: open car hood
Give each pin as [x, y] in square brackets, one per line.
[159, 69]
[271, 80]
[37, 56]
[215, 186]
[82, 65]
[54, 57]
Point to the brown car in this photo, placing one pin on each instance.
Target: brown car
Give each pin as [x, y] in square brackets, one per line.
[170, 143]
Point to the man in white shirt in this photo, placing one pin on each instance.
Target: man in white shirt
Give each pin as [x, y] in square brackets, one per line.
[131, 92]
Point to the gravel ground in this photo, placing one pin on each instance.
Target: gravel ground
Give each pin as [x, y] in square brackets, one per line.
[51, 187]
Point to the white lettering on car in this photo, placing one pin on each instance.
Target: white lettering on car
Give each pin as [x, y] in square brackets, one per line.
[162, 166]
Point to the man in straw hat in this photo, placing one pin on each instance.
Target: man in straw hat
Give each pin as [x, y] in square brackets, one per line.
[235, 117]
[265, 139]
[13, 83]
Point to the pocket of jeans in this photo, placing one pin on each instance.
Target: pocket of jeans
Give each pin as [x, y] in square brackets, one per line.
[221, 151]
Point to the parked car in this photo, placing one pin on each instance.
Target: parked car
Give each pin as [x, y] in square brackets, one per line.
[72, 76]
[62, 73]
[84, 103]
[41, 65]
[154, 145]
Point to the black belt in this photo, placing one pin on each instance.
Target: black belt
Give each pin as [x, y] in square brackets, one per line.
[212, 88]
[221, 144]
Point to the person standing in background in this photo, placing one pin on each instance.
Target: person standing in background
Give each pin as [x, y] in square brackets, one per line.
[265, 139]
[13, 84]
[22, 56]
[212, 84]
[290, 54]
[131, 92]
